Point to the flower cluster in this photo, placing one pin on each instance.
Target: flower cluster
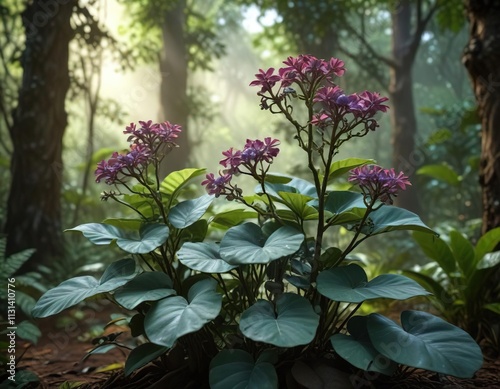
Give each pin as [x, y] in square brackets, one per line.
[378, 183]
[149, 142]
[247, 161]
[314, 78]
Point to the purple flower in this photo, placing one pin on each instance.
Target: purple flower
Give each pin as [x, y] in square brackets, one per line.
[138, 155]
[257, 151]
[379, 183]
[108, 170]
[336, 67]
[266, 79]
[216, 186]
[328, 95]
[167, 131]
[372, 103]
[232, 160]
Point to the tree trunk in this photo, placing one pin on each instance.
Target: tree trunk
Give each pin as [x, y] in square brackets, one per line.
[403, 120]
[39, 121]
[482, 60]
[174, 72]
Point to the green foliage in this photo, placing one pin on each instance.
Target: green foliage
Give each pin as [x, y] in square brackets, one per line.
[239, 306]
[460, 278]
[424, 341]
[23, 287]
[237, 368]
[451, 191]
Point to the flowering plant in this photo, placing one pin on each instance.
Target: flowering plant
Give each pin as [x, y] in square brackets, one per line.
[257, 307]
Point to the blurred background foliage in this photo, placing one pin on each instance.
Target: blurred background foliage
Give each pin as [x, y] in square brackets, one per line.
[190, 62]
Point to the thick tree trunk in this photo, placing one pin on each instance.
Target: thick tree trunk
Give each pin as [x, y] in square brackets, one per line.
[482, 60]
[403, 120]
[39, 121]
[174, 72]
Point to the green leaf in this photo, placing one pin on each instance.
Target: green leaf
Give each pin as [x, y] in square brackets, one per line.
[293, 323]
[345, 207]
[426, 342]
[236, 369]
[177, 180]
[148, 286]
[486, 244]
[493, 307]
[142, 355]
[463, 252]
[150, 236]
[430, 284]
[441, 172]
[231, 218]
[196, 232]
[14, 262]
[295, 185]
[204, 257]
[169, 319]
[339, 168]
[389, 218]
[437, 249]
[298, 203]
[350, 284]
[75, 290]
[188, 212]
[246, 244]
[358, 350]
[28, 331]
[489, 261]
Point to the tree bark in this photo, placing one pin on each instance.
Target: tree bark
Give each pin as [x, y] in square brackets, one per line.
[482, 59]
[403, 120]
[39, 121]
[174, 73]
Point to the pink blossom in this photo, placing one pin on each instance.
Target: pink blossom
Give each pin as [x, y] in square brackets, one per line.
[379, 183]
[265, 79]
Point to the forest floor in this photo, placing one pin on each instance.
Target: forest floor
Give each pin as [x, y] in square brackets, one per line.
[57, 359]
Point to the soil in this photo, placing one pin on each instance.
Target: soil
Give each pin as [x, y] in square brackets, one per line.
[58, 357]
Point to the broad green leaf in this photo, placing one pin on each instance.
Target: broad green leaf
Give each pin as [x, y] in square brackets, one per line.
[188, 212]
[430, 284]
[426, 342]
[298, 204]
[177, 180]
[358, 350]
[437, 249]
[293, 322]
[142, 355]
[345, 207]
[350, 284]
[236, 369]
[204, 257]
[150, 236]
[169, 319]
[493, 307]
[486, 244]
[196, 232]
[295, 185]
[489, 261]
[231, 218]
[389, 218]
[75, 290]
[441, 172]
[28, 331]
[148, 286]
[339, 168]
[246, 244]
[463, 252]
